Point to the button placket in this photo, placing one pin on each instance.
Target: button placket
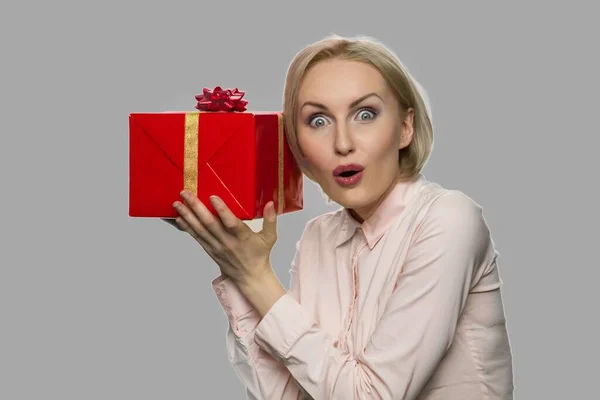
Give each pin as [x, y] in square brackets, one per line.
[351, 311]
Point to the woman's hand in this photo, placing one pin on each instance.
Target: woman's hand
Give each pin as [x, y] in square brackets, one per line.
[242, 254]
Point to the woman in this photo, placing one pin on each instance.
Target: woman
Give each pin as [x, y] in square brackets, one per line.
[394, 296]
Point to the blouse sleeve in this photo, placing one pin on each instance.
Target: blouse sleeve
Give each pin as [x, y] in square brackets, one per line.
[450, 249]
[263, 377]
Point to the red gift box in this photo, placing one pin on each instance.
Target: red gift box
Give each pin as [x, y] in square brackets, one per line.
[242, 157]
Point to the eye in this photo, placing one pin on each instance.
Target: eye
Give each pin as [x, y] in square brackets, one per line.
[317, 121]
[366, 114]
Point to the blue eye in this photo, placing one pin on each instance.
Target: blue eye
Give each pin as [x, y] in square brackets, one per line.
[317, 121]
[366, 114]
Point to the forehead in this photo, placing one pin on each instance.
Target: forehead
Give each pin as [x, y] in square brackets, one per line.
[335, 82]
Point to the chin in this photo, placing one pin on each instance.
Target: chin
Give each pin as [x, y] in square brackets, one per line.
[354, 198]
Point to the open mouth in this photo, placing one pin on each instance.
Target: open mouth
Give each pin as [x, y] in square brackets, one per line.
[347, 174]
[347, 171]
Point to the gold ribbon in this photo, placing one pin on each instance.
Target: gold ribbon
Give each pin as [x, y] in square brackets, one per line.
[190, 152]
[190, 156]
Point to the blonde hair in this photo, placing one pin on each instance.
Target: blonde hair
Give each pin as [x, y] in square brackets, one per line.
[405, 88]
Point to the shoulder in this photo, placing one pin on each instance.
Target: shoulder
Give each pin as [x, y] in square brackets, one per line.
[454, 218]
[449, 207]
[455, 209]
[450, 236]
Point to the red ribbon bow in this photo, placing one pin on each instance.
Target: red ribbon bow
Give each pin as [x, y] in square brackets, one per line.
[221, 100]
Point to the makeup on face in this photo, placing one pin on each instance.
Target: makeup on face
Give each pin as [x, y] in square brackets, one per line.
[365, 109]
[361, 110]
[348, 128]
[348, 174]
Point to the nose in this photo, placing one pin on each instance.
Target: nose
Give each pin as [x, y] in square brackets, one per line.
[343, 143]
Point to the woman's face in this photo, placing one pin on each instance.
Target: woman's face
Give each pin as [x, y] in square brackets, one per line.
[347, 115]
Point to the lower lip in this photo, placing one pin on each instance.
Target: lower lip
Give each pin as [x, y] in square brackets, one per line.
[350, 180]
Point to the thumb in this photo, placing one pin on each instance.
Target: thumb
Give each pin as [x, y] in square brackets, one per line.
[269, 230]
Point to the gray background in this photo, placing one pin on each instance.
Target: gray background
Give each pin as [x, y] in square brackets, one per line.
[96, 305]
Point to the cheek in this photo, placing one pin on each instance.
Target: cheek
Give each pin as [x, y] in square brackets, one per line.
[314, 151]
[381, 144]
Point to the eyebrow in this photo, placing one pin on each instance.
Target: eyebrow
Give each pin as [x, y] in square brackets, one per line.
[353, 104]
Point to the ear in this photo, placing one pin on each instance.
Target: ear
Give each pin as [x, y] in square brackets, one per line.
[407, 128]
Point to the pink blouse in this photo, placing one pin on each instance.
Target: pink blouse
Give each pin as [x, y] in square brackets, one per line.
[406, 305]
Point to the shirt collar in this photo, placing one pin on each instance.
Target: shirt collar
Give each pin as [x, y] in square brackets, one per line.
[378, 223]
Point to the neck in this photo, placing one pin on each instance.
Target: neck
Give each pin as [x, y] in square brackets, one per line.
[361, 215]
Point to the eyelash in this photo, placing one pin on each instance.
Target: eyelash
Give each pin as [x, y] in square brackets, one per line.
[312, 117]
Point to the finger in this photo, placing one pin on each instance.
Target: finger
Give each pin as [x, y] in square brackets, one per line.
[209, 223]
[196, 228]
[269, 231]
[173, 223]
[185, 227]
[231, 223]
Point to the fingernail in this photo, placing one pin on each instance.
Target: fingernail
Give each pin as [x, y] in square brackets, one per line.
[214, 200]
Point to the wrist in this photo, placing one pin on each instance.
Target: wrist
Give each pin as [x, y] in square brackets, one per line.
[262, 292]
